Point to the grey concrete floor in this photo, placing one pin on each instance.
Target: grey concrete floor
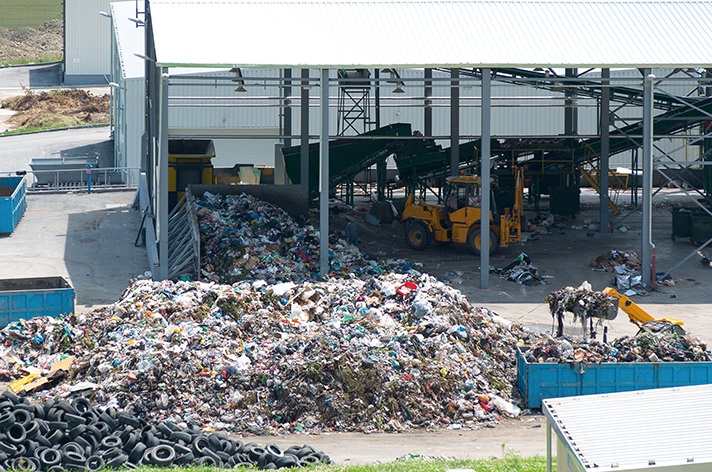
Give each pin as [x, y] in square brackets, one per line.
[86, 238]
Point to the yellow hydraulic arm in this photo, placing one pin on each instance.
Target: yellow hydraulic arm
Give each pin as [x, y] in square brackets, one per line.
[637, 315]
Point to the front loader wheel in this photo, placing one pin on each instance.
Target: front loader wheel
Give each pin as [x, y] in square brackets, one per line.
[475, 241]
[417, 235]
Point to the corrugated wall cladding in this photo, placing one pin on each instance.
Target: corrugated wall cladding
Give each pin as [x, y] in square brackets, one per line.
[87, 38]
[220, 106]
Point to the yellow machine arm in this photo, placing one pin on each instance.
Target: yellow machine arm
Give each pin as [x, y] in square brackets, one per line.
[637, 315]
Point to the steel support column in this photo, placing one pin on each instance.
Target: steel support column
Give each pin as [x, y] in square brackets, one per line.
[324, 175]
[286, 93]
[304, 135]
[647, 184]
[605, 150]
[162, 193]
[454, 122]
[485, 178]
[428, 110]
[381, 164]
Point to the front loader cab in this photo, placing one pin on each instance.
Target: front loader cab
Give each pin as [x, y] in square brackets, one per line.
[463, 192]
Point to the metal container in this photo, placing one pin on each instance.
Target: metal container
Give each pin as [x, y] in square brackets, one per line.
[13, 202]
[31, 297]
[565, 200]
[55, 170]
[540, 381]
[700, 228]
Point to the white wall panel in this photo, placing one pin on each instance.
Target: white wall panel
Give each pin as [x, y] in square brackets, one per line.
[87, 39]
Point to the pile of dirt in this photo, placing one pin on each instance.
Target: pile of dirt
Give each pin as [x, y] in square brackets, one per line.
[72, 107]
[40, 44]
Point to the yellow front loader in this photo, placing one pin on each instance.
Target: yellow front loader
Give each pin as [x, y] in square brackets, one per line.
[458, 219]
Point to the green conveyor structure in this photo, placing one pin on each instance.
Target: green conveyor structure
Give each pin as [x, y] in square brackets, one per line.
[548, 159]
[350, 156]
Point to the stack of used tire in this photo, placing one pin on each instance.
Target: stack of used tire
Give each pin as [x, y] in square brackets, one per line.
[61, 435]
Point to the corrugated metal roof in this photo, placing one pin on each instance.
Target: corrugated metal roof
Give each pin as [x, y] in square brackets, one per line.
[628, 430]
[413, 33]
[130, 39]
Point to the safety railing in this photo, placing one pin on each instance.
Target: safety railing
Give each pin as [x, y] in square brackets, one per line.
[79, 179]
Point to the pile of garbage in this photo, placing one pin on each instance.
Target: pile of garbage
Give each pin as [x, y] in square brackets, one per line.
[625, 266]
[583, 302]
[243, 238]
[645, 347]
[59, 435]
[388, 353]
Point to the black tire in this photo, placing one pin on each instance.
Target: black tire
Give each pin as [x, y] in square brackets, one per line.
[308, 460]
[274, 450]
[181, 436]
[200, 443]
[102, 428]
[16, 433]
[117, 461]
[417, 235]
[39, 411]
[10, 396]
[269, 466]
[43, 441]
[287, 460]
[137, 452]
[292, 450]
[22, 416]
[125, 418]
[111, 441]
[224, 456]
[162, 456]
[7, 419]
[85, 444]
[67, 408]
[95, 463]
[82, 405]
[111, 453]
[181, 450]
[184, 459]
[164, 431]
[56, 437]
[56, 468]
[73, 458]
[30, 447]
[72, 447]
[228, 446]
[305, 451]
[207, 461]
[50, 457]
[32, 430]
[77, 431]
[110, 422]
[57, 425]
[149, 439]
[8, 448]
[255, 452]
[474, 241]
[25, 463]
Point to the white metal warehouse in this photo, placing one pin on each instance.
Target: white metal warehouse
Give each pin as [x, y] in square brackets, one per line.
[483, 36]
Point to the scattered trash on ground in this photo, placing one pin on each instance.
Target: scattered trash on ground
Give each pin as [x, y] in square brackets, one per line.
[625, 267]
[521, 271]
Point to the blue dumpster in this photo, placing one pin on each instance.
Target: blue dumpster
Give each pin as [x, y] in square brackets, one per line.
[13, 202]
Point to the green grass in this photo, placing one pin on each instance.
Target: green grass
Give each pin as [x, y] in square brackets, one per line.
[510, 463]
[24, 60]
[28, 130]
[31, 13]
